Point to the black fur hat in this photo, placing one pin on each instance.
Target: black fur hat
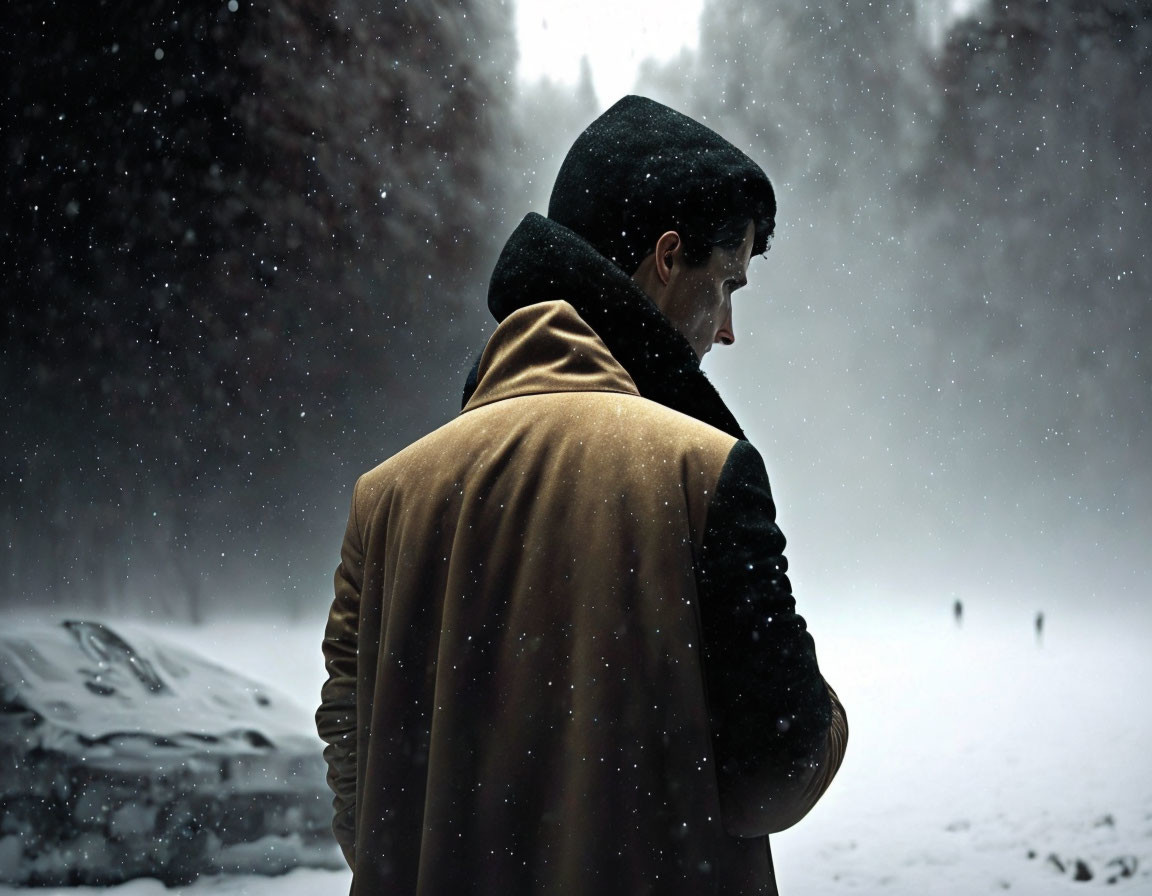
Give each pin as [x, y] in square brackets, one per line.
[642, 168]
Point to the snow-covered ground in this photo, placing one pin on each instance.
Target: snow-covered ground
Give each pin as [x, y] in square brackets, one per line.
[978, 758]
[975, 754]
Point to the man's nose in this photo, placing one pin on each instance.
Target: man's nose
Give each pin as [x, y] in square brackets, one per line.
[726, 335]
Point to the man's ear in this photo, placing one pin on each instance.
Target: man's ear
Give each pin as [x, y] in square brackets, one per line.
[669, 252]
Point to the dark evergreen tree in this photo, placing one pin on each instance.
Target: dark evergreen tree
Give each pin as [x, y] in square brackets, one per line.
[1038, 184]
[236, 239]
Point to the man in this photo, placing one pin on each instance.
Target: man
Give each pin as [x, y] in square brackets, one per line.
[564, 655]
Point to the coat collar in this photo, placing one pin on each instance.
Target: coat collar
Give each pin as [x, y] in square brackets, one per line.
[546, 347]
[546, 262]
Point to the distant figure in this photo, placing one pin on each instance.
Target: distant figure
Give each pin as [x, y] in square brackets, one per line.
[958, 612]
[1040, 627]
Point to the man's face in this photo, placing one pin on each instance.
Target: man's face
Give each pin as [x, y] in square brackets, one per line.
[698, 300]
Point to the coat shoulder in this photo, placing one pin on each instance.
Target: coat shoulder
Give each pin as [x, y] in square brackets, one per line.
[623, 421]
[595, 441]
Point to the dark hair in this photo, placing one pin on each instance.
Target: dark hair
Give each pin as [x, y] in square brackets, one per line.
[702, 230]
[642, 169]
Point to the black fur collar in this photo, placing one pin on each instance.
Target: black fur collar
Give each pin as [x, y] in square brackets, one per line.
[545, 261]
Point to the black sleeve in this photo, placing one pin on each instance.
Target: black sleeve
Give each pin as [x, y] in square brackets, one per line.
[770, 707]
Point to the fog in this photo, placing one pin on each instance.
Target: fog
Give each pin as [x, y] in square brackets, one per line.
[244, 253]
[953, 319]
[246, 257]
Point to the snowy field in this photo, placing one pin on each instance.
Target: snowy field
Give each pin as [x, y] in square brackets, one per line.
[979, 761]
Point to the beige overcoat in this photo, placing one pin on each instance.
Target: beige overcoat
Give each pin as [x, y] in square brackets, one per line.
[517, 701]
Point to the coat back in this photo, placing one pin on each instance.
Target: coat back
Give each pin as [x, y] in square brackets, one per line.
[530, 699]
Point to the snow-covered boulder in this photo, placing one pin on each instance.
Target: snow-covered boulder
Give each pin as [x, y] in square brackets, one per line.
[124, 756]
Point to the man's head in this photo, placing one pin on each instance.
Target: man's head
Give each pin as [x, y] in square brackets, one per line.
[674, 205]
[697, 299]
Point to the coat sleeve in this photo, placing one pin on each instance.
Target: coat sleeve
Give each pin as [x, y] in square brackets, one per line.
[779, 731]
[336, 717]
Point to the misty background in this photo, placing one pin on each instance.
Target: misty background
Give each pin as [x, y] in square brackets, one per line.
[244, 253]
